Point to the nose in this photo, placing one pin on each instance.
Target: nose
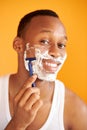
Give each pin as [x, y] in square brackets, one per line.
[54, 51]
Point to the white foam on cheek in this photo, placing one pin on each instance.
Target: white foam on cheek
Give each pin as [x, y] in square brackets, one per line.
[26, 61]
[61, 60]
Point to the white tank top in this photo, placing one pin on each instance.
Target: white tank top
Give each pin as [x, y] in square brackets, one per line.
[55, 118]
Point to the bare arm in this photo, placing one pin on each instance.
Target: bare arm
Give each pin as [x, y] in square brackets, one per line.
[75, 112]
[26, 105]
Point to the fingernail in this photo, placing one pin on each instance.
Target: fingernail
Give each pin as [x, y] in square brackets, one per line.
[35, 76]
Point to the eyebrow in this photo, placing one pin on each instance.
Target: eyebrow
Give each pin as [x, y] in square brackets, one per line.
[49, 31]
[44, 30]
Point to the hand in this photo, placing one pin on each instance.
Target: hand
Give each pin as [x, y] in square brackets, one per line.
[26, 104]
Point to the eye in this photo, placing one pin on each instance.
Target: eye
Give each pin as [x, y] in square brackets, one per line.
[45, 42]
[61, 45]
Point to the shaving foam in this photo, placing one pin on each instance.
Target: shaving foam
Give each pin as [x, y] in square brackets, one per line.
[37, 65]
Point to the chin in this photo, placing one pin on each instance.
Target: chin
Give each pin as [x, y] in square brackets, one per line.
[46, 76]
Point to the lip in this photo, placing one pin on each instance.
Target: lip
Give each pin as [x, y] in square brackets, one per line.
[50, 66]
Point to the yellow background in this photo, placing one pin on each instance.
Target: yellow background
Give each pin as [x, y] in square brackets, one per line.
[73, 13]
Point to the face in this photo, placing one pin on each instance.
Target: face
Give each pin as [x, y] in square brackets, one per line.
[46, 40]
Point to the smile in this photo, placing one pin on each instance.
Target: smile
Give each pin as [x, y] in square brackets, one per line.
[50, 65]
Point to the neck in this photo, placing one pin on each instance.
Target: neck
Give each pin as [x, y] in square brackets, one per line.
[46, 89]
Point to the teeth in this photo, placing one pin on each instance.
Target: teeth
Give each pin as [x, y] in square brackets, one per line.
[50, 64]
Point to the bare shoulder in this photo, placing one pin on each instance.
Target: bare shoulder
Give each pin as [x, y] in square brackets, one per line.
[75, 111]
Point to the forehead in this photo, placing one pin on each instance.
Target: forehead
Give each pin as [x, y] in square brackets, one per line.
[46, 24]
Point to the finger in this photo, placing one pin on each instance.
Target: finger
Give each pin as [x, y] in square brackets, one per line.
[37, 106]
[30, 95]
[31, 101]
[30, 81]
[33, 111]
[26, 85]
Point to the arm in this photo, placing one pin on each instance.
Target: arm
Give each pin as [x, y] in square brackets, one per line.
[26, 105]
[80, 119]
[75, 112]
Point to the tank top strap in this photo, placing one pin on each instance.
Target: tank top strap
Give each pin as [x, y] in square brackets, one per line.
[4, 101]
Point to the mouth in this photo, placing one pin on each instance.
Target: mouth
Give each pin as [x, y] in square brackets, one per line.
[50, 66]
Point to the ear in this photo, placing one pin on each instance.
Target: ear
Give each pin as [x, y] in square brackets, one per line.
[18, 45]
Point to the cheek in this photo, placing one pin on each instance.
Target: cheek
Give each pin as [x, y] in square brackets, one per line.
[62, 52]
[64, 57]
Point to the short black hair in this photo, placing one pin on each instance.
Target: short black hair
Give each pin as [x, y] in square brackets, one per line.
[27, 18]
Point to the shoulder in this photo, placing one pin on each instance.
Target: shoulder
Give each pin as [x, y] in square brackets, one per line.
[75, 111]
[4, 77]
[4, 80]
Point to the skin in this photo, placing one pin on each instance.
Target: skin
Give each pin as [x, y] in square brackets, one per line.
[27, 104]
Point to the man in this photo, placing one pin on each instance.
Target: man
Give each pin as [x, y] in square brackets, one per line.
[48, 105]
